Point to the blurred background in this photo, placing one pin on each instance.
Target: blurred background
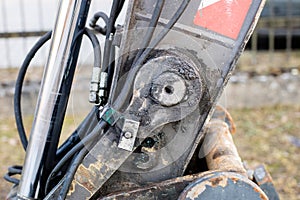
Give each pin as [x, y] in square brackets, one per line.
[263, 94]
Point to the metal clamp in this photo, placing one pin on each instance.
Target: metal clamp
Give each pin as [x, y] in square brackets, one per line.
[110, 115]
[128, 135]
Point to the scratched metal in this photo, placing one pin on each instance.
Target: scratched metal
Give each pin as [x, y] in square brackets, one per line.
[224, 185]
[168, 190]
[217, 56]
[264, 180]
[221, 152]
[207, 185]
[105, 157]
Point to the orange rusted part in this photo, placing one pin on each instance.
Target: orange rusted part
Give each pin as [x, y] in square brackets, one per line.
[219, 183]
[220, 150]
[262, 176]
[222, 114]
[169, 189]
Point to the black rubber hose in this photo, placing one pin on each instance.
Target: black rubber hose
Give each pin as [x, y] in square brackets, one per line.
[129, 80]
[23, 70]
[13, 170]
[78, 147]
[96, 47]
[85, 127]
[93, 22]
[108, 42]
[118, 11]
[10, 179]
[98, 15]
[151, 28]
[115, 12]
[19, 85]
[111, 68]
[71, 172]
[81, 131]
[75, 137]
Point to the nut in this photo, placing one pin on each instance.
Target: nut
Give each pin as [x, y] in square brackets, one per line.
[128, 135]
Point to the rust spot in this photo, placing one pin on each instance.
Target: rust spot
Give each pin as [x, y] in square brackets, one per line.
[222, 152]
[72, 188]
[86, 177]
[195, 192]
[265, 180]
[234, 179]
[222, 114]
[88, 186]
[215, 182]
[256, 190]
[261, 195]
[262, 176]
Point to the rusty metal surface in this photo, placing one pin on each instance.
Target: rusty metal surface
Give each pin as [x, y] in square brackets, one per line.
[222, 114]
[262, 177]
[215, 54]
[206, 185]
[105, 157]
[220, 149]
[200, 70]
[174, 94]
[168, 190]
[223, 185]
[159, 158]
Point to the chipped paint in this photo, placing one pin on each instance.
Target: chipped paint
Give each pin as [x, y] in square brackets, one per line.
[194, 193]
[223, 154]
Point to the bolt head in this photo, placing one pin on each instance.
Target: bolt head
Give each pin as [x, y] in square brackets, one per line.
[128, 135]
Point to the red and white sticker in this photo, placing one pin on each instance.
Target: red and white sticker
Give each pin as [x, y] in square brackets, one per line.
[225, 17]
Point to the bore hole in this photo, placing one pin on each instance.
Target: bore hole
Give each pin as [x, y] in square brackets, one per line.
[148, 142]
[169, 89]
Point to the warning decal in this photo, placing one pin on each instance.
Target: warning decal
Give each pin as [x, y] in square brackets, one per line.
[225, 17]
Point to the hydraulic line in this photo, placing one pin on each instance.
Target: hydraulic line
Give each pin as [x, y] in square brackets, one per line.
[119, 102]
[94, 20]
[19, 86]
[78, 147]
[151, 28]
[85, 127]
[23, 70]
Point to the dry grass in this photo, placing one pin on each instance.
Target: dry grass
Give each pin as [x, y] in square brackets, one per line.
[271, 136]
[11, 152]
[264, 135]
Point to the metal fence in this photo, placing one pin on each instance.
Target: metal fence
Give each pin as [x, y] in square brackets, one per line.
[278, 30]
[22, 21]
[21, 24]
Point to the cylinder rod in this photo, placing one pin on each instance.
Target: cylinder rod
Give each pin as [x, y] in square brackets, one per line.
[53, 97]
